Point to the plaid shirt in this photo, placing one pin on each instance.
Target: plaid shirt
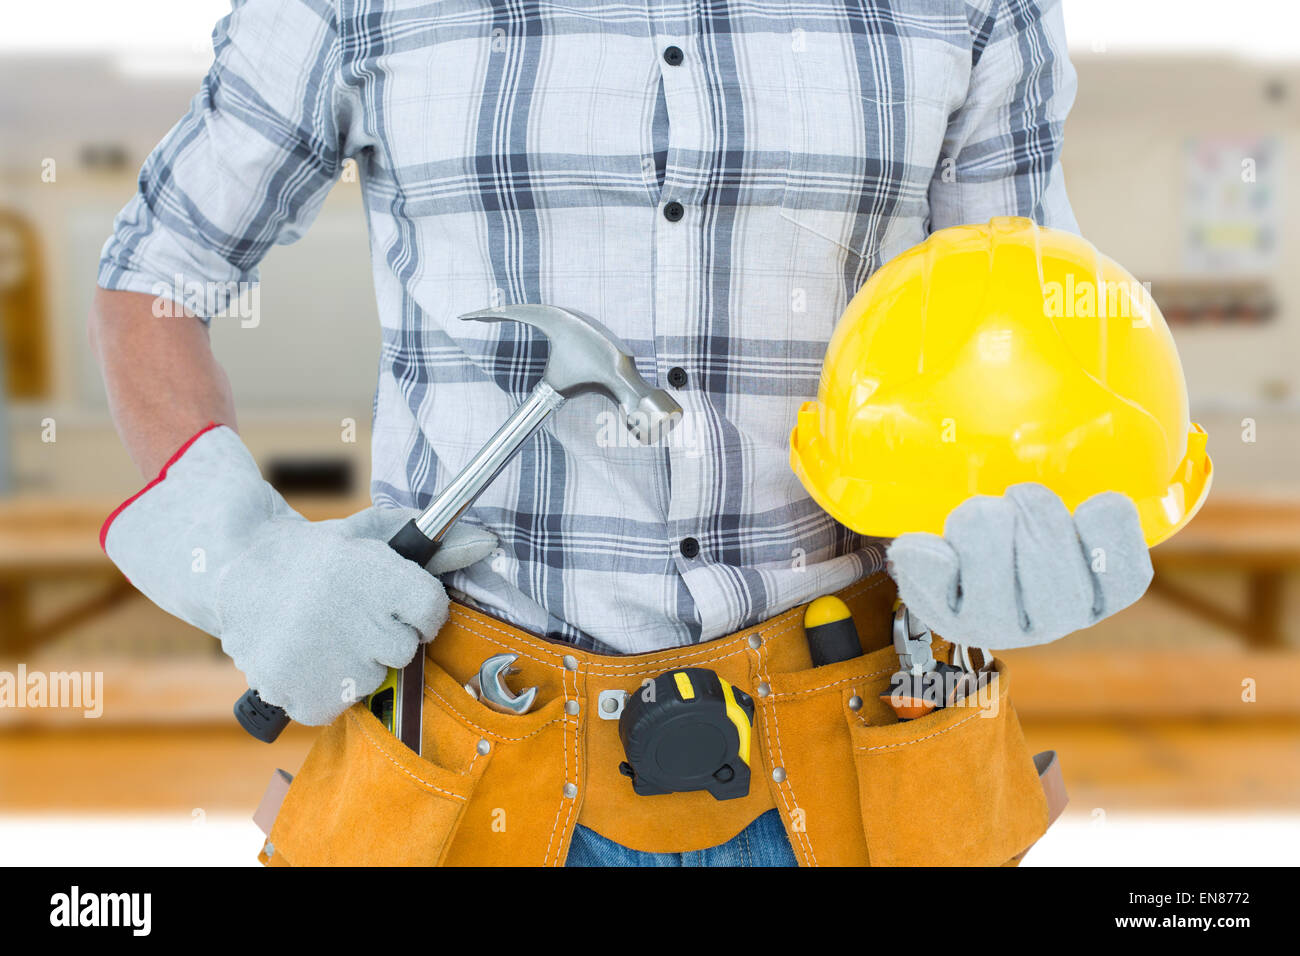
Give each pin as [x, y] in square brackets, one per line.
[712, 180]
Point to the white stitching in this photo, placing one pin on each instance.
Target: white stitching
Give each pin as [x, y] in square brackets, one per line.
[387, 756]
[821, 687]
[769, 728]
[908, 743]
[692, 656]
[577, 776]
[451, 709]
[685, 657]
[660, 663]
[563, 799]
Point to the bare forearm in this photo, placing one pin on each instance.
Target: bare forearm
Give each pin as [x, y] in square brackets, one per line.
[164, 384]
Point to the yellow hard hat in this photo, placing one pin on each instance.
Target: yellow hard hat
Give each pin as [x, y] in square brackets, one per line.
[992, 355]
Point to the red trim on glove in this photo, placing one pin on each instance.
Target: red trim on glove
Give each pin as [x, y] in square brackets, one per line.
[103, 531]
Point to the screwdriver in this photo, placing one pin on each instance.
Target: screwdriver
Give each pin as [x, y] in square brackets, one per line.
[828, 626]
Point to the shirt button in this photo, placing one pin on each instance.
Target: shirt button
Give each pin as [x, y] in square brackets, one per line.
[674, 211]
[676, 377]
[690, 547]
[673, 56]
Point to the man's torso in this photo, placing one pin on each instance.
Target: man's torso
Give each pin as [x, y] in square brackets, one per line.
[528, 154]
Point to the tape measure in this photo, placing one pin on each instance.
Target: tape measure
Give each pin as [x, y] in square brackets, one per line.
[687, 730]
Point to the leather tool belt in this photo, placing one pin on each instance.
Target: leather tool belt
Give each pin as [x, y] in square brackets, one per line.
[853, 784]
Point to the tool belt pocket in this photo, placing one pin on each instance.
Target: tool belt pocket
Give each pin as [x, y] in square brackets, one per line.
[957, 787]
[362, 798]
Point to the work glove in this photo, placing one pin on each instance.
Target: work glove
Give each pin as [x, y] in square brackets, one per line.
[1018, 570]
[313, 613]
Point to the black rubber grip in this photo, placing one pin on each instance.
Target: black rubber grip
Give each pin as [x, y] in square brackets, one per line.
[411, 543]
[833, 642]
[264, 721]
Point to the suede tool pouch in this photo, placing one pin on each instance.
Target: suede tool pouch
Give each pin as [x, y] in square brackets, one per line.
[957, 787]
[362, 798]
[807, 748]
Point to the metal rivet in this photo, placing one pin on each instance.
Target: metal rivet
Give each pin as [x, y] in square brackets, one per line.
[610, 704]
[269, 849]
[572, 707]
[484, 746]
[779, 774]
[570, 662]
[755, 641]
[855, 702]
[570, 790]
[763, 689]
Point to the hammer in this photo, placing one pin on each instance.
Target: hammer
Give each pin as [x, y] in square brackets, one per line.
[583, 357]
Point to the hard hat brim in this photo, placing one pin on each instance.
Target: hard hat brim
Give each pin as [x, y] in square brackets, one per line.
[889, 509]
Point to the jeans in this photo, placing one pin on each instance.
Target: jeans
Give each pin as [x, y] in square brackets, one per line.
[762, 843]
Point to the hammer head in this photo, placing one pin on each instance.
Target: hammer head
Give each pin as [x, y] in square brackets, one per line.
[584, 357]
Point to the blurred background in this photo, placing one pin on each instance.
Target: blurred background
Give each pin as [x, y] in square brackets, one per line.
[1178, 721]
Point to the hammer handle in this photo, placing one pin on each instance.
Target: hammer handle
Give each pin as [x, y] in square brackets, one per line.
[419, 539]
[463, 490]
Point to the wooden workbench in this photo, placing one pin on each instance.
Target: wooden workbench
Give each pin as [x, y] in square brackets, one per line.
[43, 540]
[1260, 540]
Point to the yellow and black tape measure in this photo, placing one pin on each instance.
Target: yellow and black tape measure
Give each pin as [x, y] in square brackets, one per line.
[686, 730]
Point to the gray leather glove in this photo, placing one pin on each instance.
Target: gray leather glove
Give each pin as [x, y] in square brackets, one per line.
[313, 613]
[1018, 570]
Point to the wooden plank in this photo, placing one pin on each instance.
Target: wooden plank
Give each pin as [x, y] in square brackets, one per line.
[1116, 766]
[1194, 602]
[176, 770]
[25, 636]
[169, 692]
[1052, 683]
[55, 537]
[1236, 532]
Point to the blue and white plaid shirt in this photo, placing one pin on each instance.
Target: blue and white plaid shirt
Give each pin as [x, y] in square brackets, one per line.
[710, 179]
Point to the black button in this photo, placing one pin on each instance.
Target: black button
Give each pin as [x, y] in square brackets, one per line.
[674, 211]
[676, 377]
[673, 56]
[690, 547]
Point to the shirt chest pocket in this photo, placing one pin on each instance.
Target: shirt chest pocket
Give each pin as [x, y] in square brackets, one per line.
[482, 108]
[868, 113]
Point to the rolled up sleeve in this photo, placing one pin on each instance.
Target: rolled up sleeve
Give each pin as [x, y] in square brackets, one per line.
[247, 167]
[1002, 147]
